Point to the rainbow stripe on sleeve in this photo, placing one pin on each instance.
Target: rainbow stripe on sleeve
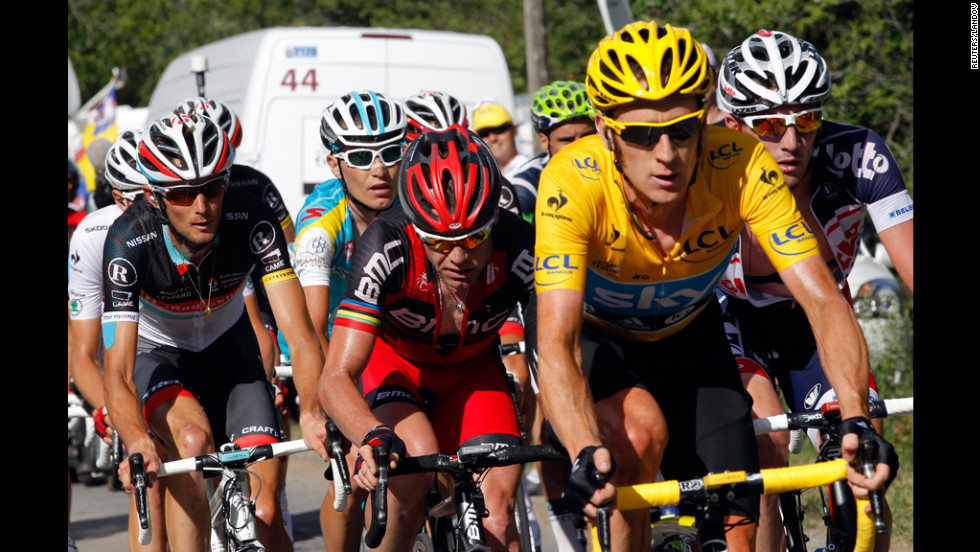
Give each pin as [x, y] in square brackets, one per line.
[358, 315]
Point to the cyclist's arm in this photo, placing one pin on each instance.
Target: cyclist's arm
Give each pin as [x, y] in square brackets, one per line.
[898, 242]
[266, 346]
[562, 383]
[85, 364]
[842, 350]
[289, 307]
[122, 399]
[840, 342]
[338, 390]
[318, 301]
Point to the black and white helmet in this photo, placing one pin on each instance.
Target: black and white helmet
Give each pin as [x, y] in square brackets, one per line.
[362, 119]
[435, 111]
[770, 69]
[184, 147]
[121, 165]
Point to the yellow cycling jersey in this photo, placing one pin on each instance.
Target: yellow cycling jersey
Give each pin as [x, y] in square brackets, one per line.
[586, 240]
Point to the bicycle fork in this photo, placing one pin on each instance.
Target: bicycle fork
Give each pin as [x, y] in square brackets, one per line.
[233, 513]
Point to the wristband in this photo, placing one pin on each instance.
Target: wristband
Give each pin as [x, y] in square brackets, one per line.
[101, 427]
[382, 435]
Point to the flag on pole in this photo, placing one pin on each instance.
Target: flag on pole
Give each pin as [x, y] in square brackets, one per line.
[103, 127]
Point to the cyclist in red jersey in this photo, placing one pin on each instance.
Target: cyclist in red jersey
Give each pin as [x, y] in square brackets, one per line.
[431, 285]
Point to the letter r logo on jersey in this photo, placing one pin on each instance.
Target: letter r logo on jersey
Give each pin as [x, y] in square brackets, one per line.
[121, 272]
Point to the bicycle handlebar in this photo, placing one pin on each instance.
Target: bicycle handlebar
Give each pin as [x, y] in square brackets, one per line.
[338, 467]
[466, 461]
[379, 500]
[767, 481]
[214, 460]
[138, 473]
[818, 420]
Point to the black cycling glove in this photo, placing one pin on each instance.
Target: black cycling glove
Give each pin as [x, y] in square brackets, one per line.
[584, 480]
[384, 436]
[884, 451]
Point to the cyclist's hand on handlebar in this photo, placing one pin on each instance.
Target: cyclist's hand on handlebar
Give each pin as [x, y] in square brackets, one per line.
[151, 462]
[313, 426]
[365, 468]
[588, 484]
[853, 430]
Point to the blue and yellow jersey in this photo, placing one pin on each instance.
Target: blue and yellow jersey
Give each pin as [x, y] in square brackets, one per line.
[586, 240]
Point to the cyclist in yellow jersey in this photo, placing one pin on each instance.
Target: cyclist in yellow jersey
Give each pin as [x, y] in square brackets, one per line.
[634, 229]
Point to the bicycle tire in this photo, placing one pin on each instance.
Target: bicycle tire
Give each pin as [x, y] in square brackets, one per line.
[523, 523]
[671, 537]
[423, 543]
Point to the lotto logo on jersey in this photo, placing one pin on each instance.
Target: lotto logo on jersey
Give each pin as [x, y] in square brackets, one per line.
[796, 239]
[864, 160]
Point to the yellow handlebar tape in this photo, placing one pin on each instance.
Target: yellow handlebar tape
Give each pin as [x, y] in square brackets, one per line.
[781, 480]
[865, 526]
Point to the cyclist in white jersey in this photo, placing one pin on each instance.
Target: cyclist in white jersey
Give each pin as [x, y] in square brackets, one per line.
[773, 87]
[180, 356]
[85, 299]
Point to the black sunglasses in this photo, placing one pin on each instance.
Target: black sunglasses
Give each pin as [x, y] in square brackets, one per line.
[495, 130]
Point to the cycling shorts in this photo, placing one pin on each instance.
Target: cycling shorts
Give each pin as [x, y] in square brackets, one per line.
[694, 379]
[226, 378]
[463, 400]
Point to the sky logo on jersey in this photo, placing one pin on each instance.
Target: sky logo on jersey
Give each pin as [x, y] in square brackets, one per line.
[725, 156]
[795, 239]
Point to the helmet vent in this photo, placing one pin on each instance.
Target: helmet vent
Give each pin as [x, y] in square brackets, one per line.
[665, 64]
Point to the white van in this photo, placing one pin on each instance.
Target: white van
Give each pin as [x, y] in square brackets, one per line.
[278, 81]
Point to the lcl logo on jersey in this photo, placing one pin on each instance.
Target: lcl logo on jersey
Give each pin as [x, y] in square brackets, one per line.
[262, 236]
[725, 156]
[795, 239]
[121, 272]
[586, 166]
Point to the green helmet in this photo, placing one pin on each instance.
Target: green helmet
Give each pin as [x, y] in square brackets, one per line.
[558, 102]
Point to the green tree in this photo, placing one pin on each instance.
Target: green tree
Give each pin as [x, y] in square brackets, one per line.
[867, 44]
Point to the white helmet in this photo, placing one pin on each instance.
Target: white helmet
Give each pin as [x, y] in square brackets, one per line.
[362, 119]
[121, 166]
[770, 69]
[435, 111]
[184, 147]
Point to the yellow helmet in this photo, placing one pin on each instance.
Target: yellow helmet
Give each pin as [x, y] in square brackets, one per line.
[646, 61]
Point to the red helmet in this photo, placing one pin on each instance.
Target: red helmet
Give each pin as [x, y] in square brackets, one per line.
[449, 183]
